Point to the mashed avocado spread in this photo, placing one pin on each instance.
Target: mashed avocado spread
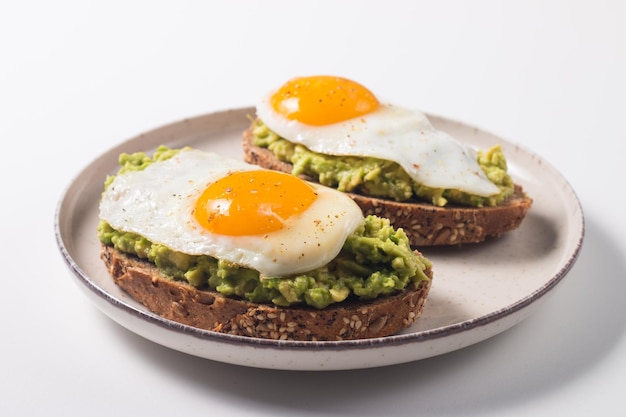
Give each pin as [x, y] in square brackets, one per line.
[381, 178]
[375, 261]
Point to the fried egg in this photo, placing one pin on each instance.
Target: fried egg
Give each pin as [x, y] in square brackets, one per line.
[200, 203]
[337, 116]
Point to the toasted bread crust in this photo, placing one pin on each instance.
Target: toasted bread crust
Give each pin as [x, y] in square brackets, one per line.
[424, 224]
[181, 302]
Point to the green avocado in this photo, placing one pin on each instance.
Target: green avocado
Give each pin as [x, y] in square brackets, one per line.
[376, 260]
[382, 178]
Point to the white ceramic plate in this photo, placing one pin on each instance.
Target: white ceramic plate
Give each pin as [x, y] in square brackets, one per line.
[478, 291]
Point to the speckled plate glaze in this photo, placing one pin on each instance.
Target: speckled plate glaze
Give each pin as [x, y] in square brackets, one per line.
[478, 291]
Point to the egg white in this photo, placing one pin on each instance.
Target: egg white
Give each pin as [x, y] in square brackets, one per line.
[158, 203]
[431, 157]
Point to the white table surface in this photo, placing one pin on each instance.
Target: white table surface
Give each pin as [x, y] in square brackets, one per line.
[78, 78]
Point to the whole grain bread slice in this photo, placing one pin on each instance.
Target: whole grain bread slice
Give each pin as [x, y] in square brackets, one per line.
[180, 302]
[425, 224]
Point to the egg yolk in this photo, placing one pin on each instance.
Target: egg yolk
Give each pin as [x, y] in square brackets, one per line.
[323, 100]
[252, 202]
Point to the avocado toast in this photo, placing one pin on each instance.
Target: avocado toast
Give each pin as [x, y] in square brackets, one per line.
[388, 158]
[375, 285]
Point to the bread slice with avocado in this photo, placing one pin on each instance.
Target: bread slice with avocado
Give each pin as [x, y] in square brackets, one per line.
[179, 301]
[327, 273]
[425, 223]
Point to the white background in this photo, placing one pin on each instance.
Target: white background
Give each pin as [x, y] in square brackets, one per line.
[78, 78]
